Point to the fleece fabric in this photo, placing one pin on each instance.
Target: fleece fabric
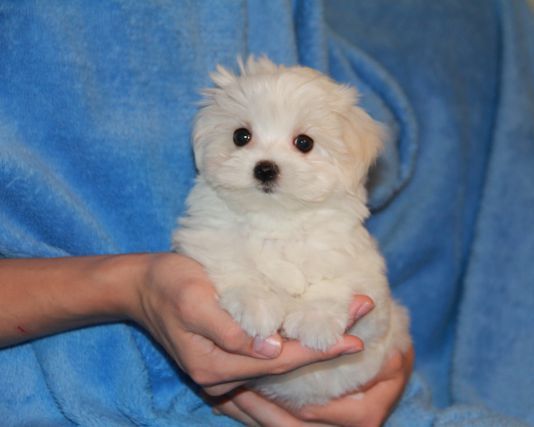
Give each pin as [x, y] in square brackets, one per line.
[96, 104]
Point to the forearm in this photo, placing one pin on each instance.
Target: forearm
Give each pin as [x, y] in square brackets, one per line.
[44, 296]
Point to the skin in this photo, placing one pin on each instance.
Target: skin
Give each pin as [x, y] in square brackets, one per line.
[161, 292]
[368, 407]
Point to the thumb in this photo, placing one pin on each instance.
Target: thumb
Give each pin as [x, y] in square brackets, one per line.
[209, 320]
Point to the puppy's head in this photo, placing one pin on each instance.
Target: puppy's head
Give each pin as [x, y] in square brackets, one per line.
[280, 134]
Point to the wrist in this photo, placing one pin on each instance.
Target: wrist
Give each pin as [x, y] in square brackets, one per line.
[121, 279]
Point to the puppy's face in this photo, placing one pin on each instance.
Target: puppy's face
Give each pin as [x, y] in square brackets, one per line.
[280, 134]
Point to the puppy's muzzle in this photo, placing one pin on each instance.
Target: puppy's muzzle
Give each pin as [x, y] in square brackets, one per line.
[266, 172]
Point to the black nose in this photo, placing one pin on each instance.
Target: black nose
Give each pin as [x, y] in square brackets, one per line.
[266, 171]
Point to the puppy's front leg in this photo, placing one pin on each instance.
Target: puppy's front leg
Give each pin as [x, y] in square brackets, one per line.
[255, 307]
[320, 316]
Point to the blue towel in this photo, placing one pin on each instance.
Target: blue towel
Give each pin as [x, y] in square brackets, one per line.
[96, 104]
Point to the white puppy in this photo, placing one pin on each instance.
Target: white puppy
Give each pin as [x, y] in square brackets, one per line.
[276, 216]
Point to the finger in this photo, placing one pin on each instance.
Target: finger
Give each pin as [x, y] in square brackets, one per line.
[263, 411]
[222, 389]
[202, 315]
[395, 363]
[359, 409]
[230, 409]
[370, 407]
[359, 307]
[227, 367]
[293, 356]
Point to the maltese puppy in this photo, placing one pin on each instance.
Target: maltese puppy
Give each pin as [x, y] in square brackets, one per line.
[276, 218]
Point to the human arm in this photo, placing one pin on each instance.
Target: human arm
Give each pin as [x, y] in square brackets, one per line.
[167, 294]
[43, 296]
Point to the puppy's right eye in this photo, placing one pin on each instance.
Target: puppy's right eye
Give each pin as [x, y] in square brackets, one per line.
[242, 137]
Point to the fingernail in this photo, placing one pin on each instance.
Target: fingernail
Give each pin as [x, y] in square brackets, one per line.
[353, 349]
[360, 310]
[357, 396]
[268, 347]
[307, 414]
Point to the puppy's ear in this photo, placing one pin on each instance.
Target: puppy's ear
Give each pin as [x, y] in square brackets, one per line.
[364, 138]
[222, 77]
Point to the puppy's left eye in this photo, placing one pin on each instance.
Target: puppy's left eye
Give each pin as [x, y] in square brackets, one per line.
[303, 143]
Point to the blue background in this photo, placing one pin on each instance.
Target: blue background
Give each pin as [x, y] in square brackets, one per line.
[96, 104]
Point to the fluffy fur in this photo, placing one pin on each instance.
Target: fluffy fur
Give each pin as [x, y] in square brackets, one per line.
[288, 255]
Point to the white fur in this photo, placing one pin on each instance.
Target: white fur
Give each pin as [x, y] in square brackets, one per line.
[291, 259]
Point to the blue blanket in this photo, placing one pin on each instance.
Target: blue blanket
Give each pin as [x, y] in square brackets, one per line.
[96, 103]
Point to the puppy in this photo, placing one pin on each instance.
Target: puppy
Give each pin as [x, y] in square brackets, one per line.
[276, 218]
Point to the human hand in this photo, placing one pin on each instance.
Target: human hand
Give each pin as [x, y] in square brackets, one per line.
[369, 407]
[178, 306]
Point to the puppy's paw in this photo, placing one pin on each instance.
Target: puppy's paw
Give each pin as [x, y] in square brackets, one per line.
[318, 326]
[259, 312]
